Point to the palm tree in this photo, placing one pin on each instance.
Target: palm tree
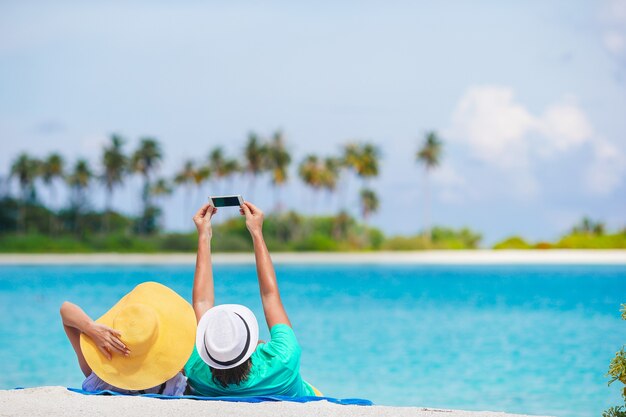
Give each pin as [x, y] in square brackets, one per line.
[51, 169]
[588, 226]
[349, 161]
[341, 225]
[217, 164]
[330, 174]
[160, 189]
[79, 181]
[145, 161]
[362, 159]
[369, 203]
[367, 166]
[26, 170]
[351, 152]
[255, 160]
[430, 156]
[310, 172]
[186, 177]
[200, 176]
[231, 168]
[115, 164]
[278, 160]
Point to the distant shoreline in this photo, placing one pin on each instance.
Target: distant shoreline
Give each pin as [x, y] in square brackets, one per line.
[471, 257]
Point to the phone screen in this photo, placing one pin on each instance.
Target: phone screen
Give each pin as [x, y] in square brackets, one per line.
[225, 201]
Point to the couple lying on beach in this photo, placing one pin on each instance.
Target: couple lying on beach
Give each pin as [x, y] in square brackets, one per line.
[149, 343]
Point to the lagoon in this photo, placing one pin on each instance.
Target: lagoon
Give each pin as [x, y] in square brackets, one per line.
[533, 339]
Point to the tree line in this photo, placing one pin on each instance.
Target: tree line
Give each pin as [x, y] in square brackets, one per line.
[261, 156]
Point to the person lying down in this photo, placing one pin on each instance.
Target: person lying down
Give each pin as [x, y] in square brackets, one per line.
[139, 346]
[229, 359]
[149, 343]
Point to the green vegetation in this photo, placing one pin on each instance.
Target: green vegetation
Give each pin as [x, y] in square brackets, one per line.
[70, 230]
[588, 234]
[440, 238]
[513, 242]
[617, 372]
[65, 232]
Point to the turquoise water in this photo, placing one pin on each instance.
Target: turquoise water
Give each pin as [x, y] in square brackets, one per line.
[532, 339]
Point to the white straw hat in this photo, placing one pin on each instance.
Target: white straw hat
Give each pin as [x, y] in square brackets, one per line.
[227, 336]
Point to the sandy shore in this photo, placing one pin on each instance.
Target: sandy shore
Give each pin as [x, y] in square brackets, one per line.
[591, 257]
[57, 401]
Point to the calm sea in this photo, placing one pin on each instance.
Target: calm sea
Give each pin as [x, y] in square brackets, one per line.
[527, 339]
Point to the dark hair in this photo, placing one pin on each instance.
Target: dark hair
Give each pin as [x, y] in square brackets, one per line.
[232, 376]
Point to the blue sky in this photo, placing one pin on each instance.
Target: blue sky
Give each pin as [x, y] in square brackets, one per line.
[529, 97]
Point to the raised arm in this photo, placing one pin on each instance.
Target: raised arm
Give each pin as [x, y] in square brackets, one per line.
[270, 296]
[203, 296]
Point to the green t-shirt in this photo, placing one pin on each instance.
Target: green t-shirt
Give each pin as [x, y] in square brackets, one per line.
[275, 370]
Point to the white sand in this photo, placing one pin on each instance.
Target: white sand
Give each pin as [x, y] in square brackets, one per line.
[57, 401]
[590, 257]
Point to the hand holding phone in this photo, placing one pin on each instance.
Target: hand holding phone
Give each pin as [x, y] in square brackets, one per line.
[226, 201]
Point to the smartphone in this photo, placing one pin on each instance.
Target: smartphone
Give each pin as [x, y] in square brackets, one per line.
[226, 200]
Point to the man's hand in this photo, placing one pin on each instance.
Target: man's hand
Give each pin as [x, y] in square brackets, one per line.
[107, 340]
[202, 220]
[254, 218]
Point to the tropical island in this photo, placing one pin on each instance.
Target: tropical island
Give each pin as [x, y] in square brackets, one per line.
[28, 224]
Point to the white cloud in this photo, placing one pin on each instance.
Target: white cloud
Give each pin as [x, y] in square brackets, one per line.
[565, 126]
[492, 125]
[503, 134]
[497, 128]
[607, 168]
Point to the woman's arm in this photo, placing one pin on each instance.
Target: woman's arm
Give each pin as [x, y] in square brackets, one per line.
[270, 296]
[76, 321]
[203, 296]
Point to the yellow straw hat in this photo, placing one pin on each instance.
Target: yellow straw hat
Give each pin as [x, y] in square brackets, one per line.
[159, 328]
